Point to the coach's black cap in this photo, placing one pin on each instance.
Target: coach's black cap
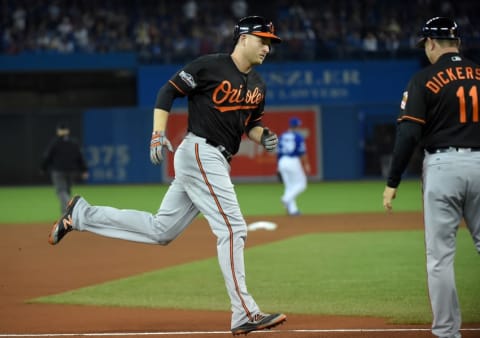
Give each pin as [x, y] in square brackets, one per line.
[255, 25]
[438, 28]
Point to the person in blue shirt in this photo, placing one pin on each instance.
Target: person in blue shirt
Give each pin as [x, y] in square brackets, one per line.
[293, 165]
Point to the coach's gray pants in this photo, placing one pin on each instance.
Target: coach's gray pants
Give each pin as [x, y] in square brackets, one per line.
[451, 191]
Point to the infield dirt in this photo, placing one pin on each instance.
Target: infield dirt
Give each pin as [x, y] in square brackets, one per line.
[30, 268]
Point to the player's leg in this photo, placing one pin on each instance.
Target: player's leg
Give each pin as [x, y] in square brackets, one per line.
[288, 181]
[295, 182]
[300, 183]
[228, 225]
[213, 193]
[472, 199]
[176, 212]
[70, 178]
[59, 180]
[442, 195]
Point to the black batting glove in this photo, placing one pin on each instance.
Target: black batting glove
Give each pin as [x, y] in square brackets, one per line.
[269, 140]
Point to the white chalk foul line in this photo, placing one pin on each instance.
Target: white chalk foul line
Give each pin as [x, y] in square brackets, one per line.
[185, 333]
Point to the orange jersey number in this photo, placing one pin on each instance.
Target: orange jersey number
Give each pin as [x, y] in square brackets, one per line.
[473, 94]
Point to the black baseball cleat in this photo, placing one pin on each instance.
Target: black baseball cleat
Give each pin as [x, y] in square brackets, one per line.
[64, 224]
[261, 321]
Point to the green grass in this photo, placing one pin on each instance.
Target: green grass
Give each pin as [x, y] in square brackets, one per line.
[330, 197]
[365, 274]
[40, 204]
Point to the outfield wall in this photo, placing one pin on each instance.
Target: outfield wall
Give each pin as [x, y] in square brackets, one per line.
[343, 143]
[351, 102]
[354, 103]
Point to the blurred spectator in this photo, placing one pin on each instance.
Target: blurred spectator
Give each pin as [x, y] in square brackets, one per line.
[190, 10]
[80, 36]
[65, 26]
[370, 43]
[239, 8]
[19, 19]
[171, 31]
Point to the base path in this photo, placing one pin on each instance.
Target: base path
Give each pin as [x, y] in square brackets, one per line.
[31, 268]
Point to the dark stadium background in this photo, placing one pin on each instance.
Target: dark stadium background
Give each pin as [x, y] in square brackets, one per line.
[59, 59]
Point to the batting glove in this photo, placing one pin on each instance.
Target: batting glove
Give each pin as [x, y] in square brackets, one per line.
[269, 140]
[156, 146]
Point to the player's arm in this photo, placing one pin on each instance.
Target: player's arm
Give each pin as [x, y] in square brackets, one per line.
[302, 147]
[255, 134]
[165, 97]
[160, 118]
[305, 163]
[407, 138]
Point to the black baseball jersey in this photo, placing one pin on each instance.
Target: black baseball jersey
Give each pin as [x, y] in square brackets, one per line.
[444, 99]
[223, 102]
[63, 154]
[439, 109]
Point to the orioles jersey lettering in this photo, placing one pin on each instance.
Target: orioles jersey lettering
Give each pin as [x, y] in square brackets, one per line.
[254, 96]
[451, 74]
[225, 93]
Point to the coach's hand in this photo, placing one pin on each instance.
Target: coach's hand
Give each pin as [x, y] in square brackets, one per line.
[389, 195]
[156, 146]
[269, 140]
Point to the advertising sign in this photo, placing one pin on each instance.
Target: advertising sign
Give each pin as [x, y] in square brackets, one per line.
[310, 83]
[252, 162]
[116, 146]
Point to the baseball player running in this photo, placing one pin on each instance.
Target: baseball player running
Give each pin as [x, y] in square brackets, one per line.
[440, 109]
[226, 98]
[292, 165]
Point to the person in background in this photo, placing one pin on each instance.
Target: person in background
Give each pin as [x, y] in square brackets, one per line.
[65, 162]
[293, 165]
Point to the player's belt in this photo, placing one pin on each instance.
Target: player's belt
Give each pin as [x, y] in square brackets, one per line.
[222, 149]
[452, 149]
